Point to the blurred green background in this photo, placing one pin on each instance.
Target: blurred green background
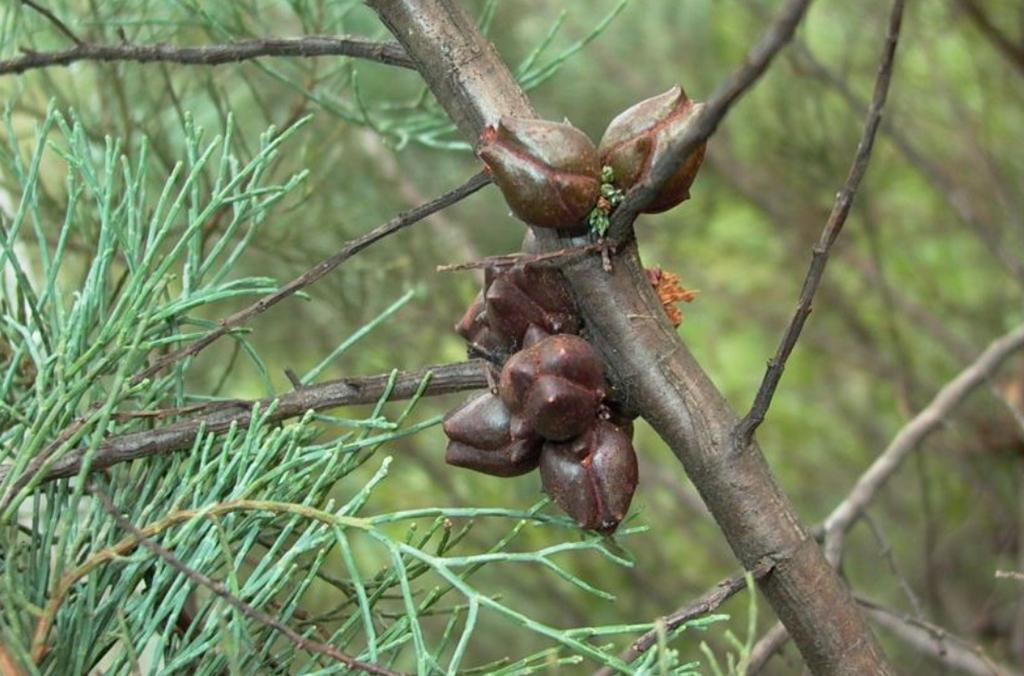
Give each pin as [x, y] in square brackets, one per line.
[929, 269]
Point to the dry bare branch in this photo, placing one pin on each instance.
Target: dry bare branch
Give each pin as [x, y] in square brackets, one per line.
[776, 36]
[937, 643]
[314, 274]
[834, 225]
[53, 19]
[1013, 51]
[212, 55]
[708, 602]
[912, 434]
[444, 379]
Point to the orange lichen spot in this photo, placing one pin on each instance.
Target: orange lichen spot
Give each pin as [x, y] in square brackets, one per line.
[670, 292]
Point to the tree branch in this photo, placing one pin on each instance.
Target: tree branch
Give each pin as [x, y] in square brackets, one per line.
[935, 173]
[221, 591]
[403, 220]
[779, 32]
[929, 639]
[912, 434]
[388, 53]
[836, 219]
[651, 371]
[54, 19]
[1009, 575]
[444, 379]
[702, 605]
[1014, 52]
[846, 514]
[937, 643]
[766, 648]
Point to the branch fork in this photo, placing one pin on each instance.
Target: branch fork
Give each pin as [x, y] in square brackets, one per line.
[646, 362]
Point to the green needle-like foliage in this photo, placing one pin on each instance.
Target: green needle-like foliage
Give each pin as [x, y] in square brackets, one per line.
[125, 239]
[276, 512]
[118, 252]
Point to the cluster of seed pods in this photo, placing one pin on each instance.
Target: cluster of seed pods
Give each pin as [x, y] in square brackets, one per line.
[551, 173]
[548, 407]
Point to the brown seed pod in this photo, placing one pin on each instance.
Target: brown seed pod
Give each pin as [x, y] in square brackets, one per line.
[565, 356]
[522, 296]
[558, 409]
[481, 439]
[554, 387]
[592, 477]
[548, 171]
[548, 289]
[473, 319]
[572, 358]
[614, 414]
[533, 335]
[479, 335]
[640, 136]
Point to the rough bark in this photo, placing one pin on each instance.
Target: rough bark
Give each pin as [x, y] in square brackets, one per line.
[653, 372]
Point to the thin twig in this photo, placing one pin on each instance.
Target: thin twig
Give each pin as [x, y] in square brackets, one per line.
[55, 20]
[912, 434]
[388, 53]
[1013, 51]
[444, 379]
[837, 218]
[702, 605]
[946, 185]
[930, 639]
[40, 460]
[842, 518]
[885, 550]
[403, 220]
[706, 121]
[776, 637]
[1009, 575]
[937, 642]
[9, 664]
[553, 258]
[221, 591]
[903, 304]
[766, 648]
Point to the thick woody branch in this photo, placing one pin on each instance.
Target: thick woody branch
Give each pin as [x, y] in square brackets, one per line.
[444, 379]
[212, 55]
[650, 369]
[464, 71]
